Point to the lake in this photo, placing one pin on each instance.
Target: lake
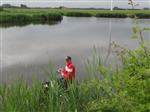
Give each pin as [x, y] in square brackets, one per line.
[27, 51]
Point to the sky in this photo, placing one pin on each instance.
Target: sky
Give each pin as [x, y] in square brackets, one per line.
[76, 3]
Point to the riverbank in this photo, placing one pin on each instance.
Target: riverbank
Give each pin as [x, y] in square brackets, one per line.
[42, 15]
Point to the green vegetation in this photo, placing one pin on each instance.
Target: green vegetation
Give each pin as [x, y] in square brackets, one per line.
[15, 17]
[8, 18]
[25, 16]
[1, 9]
[123, 89]
[28, 15]
[25, 23]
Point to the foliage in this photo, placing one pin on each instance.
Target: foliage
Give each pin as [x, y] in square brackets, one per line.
[132, 3]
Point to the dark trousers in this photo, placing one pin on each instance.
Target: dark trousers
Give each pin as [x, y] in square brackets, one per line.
[63, 83]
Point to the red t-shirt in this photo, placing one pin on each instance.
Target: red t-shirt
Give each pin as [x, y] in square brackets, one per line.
[69, 71]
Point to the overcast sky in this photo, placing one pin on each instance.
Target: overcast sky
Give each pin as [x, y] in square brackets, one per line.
[76, 3]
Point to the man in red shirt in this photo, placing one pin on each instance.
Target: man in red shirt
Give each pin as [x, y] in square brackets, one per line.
[69, 72]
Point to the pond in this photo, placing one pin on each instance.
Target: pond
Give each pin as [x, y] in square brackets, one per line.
[28, 50]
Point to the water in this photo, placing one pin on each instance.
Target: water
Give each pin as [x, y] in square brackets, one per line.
[27, 51]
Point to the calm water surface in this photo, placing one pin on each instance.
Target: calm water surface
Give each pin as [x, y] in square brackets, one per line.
[28, 50]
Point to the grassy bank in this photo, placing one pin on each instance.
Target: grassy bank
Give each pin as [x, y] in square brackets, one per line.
[8, 18]
[22, 17]
[124, 89]
[18, 14]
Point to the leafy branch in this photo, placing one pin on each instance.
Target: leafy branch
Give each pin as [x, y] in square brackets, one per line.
[132, 3]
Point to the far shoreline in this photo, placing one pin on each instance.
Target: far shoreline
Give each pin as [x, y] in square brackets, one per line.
[54, 15]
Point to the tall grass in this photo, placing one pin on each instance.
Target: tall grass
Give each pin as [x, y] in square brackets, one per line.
[22, 17]
[19, 97]
[16, 18]
[15, 14]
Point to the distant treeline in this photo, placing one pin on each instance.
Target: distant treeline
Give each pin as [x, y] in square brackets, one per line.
[62, 7]
[11, 6]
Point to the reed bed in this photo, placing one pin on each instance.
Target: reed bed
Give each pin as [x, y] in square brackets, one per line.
[16, 14]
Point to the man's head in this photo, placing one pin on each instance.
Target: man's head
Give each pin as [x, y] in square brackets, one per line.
[68, 59]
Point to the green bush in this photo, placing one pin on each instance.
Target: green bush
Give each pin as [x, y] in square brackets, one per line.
[126, 90]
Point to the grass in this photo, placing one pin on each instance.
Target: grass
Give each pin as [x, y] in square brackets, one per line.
[12, 14]
[22, 17]
[8, 18]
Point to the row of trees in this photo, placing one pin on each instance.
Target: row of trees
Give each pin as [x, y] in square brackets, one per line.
[62, 7]
[11, 6]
